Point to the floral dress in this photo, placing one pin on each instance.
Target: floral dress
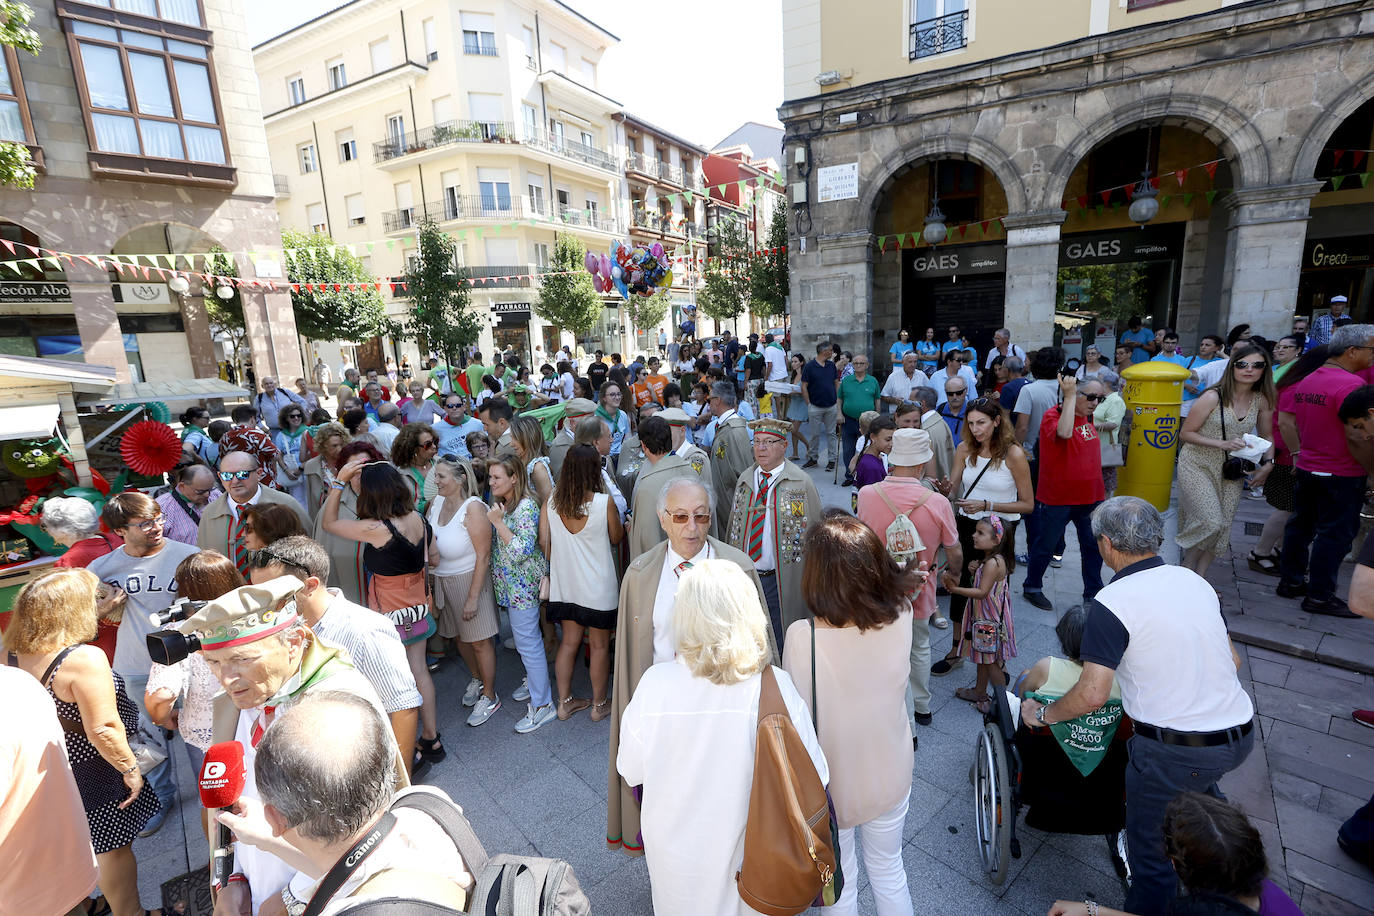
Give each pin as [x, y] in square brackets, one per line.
[996, 607]
[1207, 501]
[517, 567]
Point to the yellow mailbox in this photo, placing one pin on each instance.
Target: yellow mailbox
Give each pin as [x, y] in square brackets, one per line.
[1153, 393]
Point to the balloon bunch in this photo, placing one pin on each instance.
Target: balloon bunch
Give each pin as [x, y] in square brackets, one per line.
[639, 270]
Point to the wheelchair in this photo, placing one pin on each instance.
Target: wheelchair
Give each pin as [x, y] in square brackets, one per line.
[1018, 767]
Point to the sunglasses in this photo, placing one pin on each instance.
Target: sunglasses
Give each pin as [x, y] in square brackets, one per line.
[1246, 364]
[953, 394]
[429, 443]
[452, 406]
[1094, 398]
[682, 518]
[227, 476]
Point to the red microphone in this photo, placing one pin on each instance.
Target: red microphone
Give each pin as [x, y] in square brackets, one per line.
[221, 783]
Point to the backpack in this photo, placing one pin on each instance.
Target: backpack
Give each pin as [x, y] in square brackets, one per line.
[503, 885]
[790, 852]
[903, 540]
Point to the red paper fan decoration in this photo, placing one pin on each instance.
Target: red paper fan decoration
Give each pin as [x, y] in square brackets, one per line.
[150, 448]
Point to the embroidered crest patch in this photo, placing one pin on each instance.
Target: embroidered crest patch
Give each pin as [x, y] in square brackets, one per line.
[720, 449]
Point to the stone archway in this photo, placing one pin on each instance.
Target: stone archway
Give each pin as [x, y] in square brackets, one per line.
[1232, 132]
[1332, 116]
[944, 146]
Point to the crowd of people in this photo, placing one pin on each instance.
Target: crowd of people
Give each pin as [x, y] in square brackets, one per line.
[664, 516]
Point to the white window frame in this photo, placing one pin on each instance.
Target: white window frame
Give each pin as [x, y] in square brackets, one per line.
[431, 33]
[337, 73]
[539, 254]
[348, 209]
[308, 158]
[347, 145]
[908, 17]
[381, 44]
[295, 89]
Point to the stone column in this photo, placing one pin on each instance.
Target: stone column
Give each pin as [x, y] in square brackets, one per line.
[96, 321]
[1264, 239]
[272, 334]
[832, 292]
[199, 339]
[1032, 276]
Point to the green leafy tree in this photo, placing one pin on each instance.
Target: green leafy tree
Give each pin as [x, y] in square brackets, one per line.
[16, 167]
[645, 312]
[226, 315]
[726, 282]
[567, 298]
[441, 318]
[332, 314]
[1108, 290]
[768, 272]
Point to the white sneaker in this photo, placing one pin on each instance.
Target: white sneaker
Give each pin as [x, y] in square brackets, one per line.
[510, 644]
[940, 622]
[473, 691]
[1056, 562]
[521, 694]
[535, 718]
[483, 710]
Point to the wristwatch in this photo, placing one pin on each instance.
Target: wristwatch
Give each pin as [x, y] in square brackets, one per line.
[1040, 714]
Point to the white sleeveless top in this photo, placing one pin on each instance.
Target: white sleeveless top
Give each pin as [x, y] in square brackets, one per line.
[581, 569]
[997, 484]
[457, 557]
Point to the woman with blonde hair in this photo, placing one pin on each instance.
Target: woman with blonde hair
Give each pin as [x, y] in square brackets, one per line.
[687, 738]
[319, 471]
[54, 616]
[527, 438]
[1216, 425]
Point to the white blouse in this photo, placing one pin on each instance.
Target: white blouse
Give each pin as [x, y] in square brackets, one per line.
[457, 556]
[192, 682]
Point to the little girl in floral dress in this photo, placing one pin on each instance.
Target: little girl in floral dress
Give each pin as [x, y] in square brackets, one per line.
[988, 638]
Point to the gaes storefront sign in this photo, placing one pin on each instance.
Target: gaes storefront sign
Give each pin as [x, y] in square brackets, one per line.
[959, 260]
[34, 291]
[1162, 243]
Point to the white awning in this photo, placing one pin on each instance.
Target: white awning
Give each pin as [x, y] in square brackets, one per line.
[196, 389]
[29, 421]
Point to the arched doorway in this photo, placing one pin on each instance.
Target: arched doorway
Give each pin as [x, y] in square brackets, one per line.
[960, 282]
[1338, 257]
[36, 313]
[1169, 269]
[170, 335]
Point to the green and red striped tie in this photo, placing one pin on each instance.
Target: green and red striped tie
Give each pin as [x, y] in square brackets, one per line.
[758, 512]
[236, 543]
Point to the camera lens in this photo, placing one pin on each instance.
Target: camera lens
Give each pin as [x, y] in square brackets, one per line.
[167, 647]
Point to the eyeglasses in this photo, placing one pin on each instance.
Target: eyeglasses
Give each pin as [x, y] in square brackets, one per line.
[1094, 398]
[150, 525]
[429, 443]
[1257, 364]
[227, 476]
[961, 391]
[682, 518]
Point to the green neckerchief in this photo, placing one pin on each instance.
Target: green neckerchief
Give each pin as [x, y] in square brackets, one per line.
[612, 419]
[1085, 740]
[191, 428]
[296, 435]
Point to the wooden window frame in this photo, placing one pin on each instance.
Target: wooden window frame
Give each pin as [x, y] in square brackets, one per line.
[1136, 5]
[17, 84]
[137, 166]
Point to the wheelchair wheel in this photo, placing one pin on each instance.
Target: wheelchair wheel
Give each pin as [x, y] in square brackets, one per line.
[992, 798]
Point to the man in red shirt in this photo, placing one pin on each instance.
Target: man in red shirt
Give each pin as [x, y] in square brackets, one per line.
[1070, 486]
[1331, 471]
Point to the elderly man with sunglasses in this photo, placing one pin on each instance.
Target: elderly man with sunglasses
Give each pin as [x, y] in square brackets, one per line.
[222, 525]
[645, 625]
[1070, 486]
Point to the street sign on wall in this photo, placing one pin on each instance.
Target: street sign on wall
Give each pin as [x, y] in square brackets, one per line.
[837, 182]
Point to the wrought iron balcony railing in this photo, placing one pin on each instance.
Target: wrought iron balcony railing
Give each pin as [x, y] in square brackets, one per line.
[939, 35]
[443, 135]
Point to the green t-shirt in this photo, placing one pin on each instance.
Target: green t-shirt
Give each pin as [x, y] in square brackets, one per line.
[857, 396]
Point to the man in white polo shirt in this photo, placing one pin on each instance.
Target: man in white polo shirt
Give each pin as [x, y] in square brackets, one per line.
[1177, 670]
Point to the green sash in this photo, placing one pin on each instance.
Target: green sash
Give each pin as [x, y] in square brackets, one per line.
[1085, 740]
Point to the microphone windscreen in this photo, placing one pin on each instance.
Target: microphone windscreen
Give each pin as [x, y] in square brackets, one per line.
[222, 776]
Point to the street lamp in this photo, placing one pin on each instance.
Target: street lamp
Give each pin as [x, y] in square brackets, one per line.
[935, 230]
[225, 292]
[1144, 205]
[179, 284]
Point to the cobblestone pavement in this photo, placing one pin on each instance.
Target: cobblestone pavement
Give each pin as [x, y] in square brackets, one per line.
[545, 792]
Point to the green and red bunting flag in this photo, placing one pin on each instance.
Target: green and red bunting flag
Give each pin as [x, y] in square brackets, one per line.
[1337, 181]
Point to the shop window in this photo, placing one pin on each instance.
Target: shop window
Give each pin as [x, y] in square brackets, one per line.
[960, 185]
[1119, 162]
[149, 93]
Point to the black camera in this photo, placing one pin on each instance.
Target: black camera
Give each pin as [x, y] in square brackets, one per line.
[1071, 367]
[167, 647]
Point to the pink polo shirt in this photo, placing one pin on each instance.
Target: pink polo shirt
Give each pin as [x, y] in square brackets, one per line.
[934, 522]
[1316, 401]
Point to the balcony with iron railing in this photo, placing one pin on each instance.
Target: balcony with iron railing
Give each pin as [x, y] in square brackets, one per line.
[282, 186]
[658, 170]
[507, 276]
[570, 149]
[929, 37]
[481, 49]
[655, 222]
[444, 134]
[588, 219]
[463, 208]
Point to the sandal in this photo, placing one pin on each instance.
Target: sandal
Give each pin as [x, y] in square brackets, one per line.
[946, 665]
[601, 710]
[984, 705]
[431, 750]
[970, 695]
[570, 706]
[1267, 565]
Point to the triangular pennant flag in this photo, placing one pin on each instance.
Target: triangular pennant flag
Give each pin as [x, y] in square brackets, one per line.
[1182, 176]
[1130, 192]
[1116, 205]
[1083, 202]
[1211, 195]
[1364, 178]
[1105, 195]
[1188, 198]
[14, 266]
[1164, 200]
[963, 230]
[390, 244]
[1337, 181]
[882, 241]
[8, 244]
[1338, 155]
[1100, 209]
[721, 189]
[1154, 182]
[295, 287]
[1357, 158]
[984, 226]
[1211, 168]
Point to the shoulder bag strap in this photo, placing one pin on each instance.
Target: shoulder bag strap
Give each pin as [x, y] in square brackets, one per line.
[329, 885]
[770, 698]
[815, 702]
[56, 663]
[453, 823]
[969, 488]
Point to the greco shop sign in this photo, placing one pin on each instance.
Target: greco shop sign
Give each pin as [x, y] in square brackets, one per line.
[959, 261]
[1158, 244]
[1346, 252]
[34, 291]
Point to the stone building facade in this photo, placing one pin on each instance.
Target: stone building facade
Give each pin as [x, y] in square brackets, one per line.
[165, 156]
[1259, 89]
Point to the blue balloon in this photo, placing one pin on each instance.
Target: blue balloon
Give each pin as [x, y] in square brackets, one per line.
[620, 285]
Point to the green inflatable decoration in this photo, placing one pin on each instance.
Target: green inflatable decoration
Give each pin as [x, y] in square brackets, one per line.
[32, 458]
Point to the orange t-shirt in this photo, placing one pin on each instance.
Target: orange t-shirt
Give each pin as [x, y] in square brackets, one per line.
[650, 389]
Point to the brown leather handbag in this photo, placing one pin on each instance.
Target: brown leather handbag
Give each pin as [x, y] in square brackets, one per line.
[788, 851]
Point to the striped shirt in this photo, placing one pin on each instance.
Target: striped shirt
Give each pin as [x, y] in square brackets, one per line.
[376, 649]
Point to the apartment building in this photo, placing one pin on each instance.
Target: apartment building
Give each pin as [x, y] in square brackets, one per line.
[485, 117]
[663, 195]
[143, 120]
[1203, 163]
